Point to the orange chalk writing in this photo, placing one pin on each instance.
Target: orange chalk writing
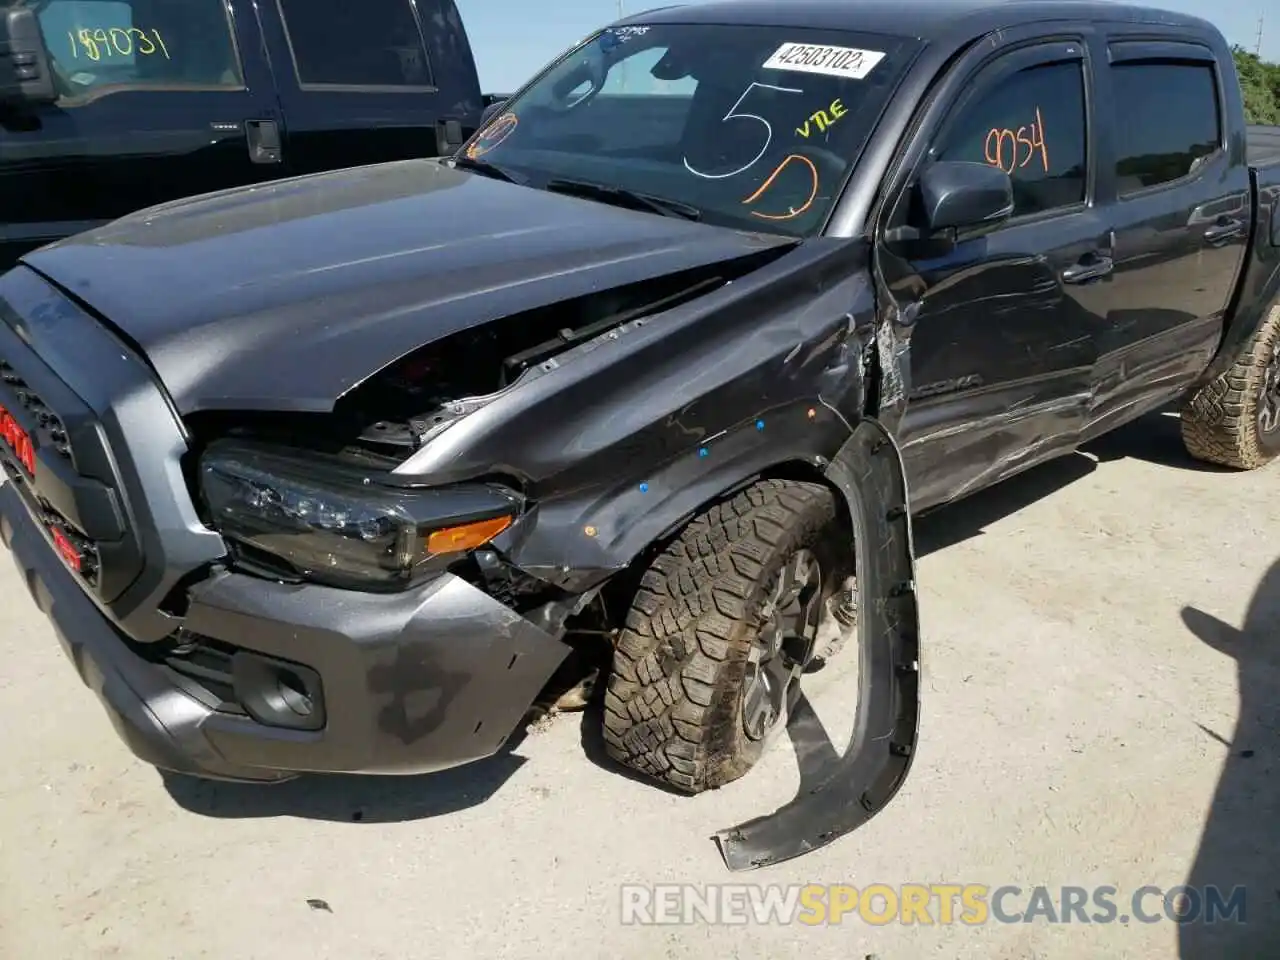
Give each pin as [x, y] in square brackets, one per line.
[1011, 149]
[792, 211]
[493, 134]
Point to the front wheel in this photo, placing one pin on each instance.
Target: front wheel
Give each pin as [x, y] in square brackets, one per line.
[724, 622]
[1234, 419]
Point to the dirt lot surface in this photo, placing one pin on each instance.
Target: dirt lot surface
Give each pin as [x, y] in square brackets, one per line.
[1100, 708]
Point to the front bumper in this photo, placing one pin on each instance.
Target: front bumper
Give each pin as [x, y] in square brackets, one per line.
[411, 683]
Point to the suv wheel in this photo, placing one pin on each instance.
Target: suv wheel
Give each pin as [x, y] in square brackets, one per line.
[723, 624]
[1234, 420]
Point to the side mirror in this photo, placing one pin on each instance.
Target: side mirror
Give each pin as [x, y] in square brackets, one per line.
[956, 194]
[26, 75]
[491, 111]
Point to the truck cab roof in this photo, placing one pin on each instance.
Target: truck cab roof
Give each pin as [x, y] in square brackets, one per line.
[947, 22]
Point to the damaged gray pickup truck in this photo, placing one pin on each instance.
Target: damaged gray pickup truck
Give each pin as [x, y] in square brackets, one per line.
[339, 473]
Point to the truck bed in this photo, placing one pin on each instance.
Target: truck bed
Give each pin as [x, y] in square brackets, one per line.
[1262, 145]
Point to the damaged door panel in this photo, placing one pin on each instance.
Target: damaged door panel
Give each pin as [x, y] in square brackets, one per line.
[1002, 349]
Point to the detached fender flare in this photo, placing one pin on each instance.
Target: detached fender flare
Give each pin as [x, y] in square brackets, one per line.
[838, 793]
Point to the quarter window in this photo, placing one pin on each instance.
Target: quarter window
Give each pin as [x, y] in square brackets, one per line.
[373, 43]
[1032, 125]
[1167, 121]
[102, 43]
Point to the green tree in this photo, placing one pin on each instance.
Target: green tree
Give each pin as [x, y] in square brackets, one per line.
[1260, 84]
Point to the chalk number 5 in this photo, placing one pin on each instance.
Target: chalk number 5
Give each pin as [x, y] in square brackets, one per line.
[766, 131]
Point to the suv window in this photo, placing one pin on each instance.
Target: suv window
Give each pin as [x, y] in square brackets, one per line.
[388, 53]
[101, 43]
[1032, 125]
[1168, 121]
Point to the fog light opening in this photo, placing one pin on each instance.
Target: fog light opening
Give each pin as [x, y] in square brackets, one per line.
[277, 693]
[293, 693]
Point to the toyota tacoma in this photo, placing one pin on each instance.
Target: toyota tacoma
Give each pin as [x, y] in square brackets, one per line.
[345, 472]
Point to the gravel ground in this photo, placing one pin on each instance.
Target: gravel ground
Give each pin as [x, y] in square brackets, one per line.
[1099, 708]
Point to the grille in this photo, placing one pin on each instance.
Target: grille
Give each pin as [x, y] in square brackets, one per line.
[50, 424]
[89, 563]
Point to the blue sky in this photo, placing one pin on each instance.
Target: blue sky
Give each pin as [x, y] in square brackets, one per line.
[512, 38]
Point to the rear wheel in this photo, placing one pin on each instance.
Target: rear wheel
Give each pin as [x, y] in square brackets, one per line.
[1234, 420]
[723, 624]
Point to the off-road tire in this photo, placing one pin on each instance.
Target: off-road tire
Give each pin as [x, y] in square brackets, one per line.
[1220, 422]
[673, 704]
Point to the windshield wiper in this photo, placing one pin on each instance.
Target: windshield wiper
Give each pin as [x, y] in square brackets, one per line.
[621, 197]
[485, 168]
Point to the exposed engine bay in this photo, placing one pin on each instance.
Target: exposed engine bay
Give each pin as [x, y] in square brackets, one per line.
[427, 391]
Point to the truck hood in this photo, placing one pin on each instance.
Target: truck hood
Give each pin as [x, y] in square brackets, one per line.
[286, 296]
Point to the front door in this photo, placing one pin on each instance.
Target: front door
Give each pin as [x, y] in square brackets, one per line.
[156, 103]
[1004, 324]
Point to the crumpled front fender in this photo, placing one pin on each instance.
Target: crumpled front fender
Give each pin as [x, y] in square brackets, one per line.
[840, 792]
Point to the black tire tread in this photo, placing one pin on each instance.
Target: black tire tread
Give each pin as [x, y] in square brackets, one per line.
[671, 702]
[1219, 423]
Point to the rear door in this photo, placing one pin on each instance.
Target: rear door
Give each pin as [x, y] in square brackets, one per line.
[372, 81]
[157, 102]
[1179, 193]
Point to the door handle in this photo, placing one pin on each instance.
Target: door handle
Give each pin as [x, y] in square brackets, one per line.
[1090, 267]
[264, 141]
[1224, 231]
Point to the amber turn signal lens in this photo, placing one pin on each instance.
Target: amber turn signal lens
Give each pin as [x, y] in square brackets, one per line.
[466, 536]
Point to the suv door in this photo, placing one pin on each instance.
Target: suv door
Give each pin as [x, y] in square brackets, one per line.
[1179, 194]
[369, 82]
[1003, 323]
[156, 103]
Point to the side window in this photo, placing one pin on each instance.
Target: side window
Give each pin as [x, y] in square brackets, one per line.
[95, 44]
[1032, 125]
[373, 43]
[1156, 144]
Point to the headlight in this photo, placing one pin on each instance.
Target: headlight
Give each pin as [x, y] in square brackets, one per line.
[339, 525]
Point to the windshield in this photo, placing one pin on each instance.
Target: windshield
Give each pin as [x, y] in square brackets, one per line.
[752, 127]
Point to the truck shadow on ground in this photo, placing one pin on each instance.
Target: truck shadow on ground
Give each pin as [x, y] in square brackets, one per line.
[353, 799]
[393, 799]
[1241, 836]
[952, 524]
[1155, 438]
